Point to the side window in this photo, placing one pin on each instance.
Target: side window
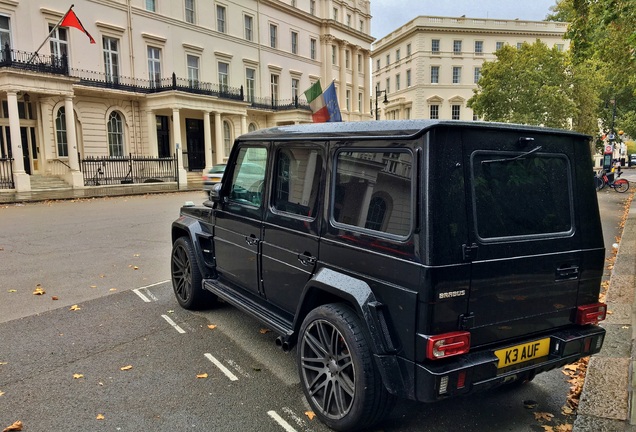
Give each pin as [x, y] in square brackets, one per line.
[374, 190]
[249, 176]
[539, 185]
[297, 180]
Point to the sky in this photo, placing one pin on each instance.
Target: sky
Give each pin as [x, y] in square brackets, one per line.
[391, 14]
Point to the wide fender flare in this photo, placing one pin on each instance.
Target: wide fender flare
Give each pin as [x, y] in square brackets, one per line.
[356, 293]
[189, 227]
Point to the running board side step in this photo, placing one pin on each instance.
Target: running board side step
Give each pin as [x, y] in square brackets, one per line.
[251, 306]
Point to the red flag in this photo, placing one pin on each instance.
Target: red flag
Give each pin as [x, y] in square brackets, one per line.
[71, 20]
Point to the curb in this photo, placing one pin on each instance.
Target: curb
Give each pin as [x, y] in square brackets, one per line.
[609, 391]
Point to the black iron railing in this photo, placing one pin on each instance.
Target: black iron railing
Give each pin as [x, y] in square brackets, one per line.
[59, 65]
[6, 173]
[106, 170]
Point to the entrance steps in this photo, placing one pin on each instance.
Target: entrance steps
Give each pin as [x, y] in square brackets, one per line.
[195, 179]
[47, 183]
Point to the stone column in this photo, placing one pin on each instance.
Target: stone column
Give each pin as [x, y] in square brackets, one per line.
[342, 89]
[21, 179]
[75, 177]
[218, 137]
[178, 145]
[327, 64]
[365, 80]
[243, 124]
[207, 139]
[153, 145]
[355, 78]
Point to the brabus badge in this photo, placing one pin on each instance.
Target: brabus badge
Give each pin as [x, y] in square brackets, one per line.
[451, 294]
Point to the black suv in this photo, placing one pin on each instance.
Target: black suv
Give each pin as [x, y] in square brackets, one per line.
[405, 259]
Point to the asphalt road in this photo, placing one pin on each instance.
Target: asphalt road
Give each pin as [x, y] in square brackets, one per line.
[110, 258]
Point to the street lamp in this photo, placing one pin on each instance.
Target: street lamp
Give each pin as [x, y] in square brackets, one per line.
[378, 92]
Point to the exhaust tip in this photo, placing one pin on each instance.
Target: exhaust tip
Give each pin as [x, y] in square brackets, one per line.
[282, 344]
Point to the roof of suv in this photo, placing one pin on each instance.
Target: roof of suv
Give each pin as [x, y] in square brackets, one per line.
[383, 128]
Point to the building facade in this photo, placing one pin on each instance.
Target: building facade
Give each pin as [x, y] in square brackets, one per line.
[168, 78]
[428, 68]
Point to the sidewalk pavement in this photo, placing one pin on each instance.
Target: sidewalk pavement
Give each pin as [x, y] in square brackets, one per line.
[94, 192]
[608, 397]
[609, 393]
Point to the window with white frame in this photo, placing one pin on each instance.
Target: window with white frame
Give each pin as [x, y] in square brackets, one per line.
[335, 14]
[312, 48]
[388, 59]
[224, 72]
[5, 32]
[434, 74]
[273, 88]
[360, 96]
[154, 66]
[294, 89]
[294, 42]
[348, 20]
[273, 35]
[190, 14]
[312, 7]
[60, 133]
[559, 47]
[151, 5]
[477, 74]
[479, 48]
[249, 27]
[408, 50]
[408, 77]
[250, 84]
[457, 47]
[407, 113]
[347, 59]
[220, 18]
[455, 111]
[397, 55]
[115, 129]
[293, 3]
[387, 85]
[377, 65]
[334, 56]
[397, 82]
[519, 45]
[359, 62]
[348, 99]
[193, 70]
[433, 113]
[58, 41]
[457, 74]
[227, 138]
[499, 45]
[361, 26]
[435, 45]
[110, 47]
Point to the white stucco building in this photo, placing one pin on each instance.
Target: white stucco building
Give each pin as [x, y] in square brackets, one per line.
[429, 67]
[167, 78]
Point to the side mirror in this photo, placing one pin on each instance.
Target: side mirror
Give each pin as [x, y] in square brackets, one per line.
[215, 193]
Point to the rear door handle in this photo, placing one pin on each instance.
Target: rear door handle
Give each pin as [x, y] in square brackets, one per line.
[567, 273]
[251, 240]
[307, 260]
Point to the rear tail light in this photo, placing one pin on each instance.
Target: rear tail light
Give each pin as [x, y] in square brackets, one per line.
[447, 345]
[590, 314]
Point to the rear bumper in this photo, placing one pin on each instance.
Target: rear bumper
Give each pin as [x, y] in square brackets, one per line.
[477, 371]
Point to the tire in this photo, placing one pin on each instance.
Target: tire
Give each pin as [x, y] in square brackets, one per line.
[186, 276]
[621, 185]
[598, 183]
[337, 371]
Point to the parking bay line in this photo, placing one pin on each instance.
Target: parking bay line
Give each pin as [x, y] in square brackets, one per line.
[278, 419]
[143, 296]
[223, 369]
[173, 324]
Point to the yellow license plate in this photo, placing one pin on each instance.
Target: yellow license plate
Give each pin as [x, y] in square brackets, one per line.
[521, 353]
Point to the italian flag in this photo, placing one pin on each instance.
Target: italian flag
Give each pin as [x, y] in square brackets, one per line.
[320, 113]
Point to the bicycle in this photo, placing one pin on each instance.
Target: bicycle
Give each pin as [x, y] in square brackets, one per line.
[619, 185]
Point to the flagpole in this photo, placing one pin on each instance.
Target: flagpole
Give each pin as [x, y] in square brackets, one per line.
[49, 36]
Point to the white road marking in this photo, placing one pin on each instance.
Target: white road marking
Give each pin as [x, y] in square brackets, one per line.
[218, 364]
[154, 284]
[141, 296]
[278, 419]
[173, 324]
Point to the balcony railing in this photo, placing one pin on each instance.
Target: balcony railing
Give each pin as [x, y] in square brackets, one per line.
[59, 65]
[6, 173]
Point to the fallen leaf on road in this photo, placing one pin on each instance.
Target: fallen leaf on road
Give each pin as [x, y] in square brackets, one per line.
[310, 414]
[54, 298]
[1, 393]
[78, 376]
[102, 276]
[566, 410]
[17, 426]
[548, 429]
[212, 326]
[12, 291]
[543, 416]
[39, 290]
[136, 255]
[264, 330]
[125, 368]
[113, 289]
[564, 428]
[74, 308]
[93, 286]
[100, 417]
[135, 268]
[203, 375]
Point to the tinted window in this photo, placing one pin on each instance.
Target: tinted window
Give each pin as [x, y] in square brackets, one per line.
[373, 190]
[528, 196]
[297, 180]
[249, 176]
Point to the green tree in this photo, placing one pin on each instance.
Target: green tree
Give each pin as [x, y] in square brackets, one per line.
[531, 85]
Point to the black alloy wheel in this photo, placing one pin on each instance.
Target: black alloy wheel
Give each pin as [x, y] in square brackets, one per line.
[186, 276]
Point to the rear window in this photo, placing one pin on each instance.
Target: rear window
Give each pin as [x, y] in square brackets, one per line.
[517, 195]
